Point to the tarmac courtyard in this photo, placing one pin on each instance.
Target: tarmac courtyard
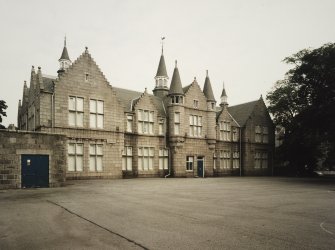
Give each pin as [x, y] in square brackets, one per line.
[210, 213]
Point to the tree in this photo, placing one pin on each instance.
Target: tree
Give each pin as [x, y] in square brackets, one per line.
[304, 105]
[3, 107]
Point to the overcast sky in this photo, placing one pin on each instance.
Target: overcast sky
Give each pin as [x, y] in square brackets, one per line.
[241, 43]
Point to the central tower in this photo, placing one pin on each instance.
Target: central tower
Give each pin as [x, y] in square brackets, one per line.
[161, 89]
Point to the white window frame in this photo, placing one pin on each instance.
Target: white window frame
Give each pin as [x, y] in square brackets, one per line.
[145, 120]
[76, 156]
[258, 134]
[258, 160]
[127, 158]
[195, 129]
[76, 111]
[96, 114]
[236, 159]
[163, 158]
[224, 134]
[146, 158]
[129, 125]
[96, 157]
[177, 123]
[189, 163]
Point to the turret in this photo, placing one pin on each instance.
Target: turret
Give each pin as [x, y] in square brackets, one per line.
[209, 93]
[177, 119]
[210, 115]
[161, 89]
[224, 102]
[64, 60]
[176, 92]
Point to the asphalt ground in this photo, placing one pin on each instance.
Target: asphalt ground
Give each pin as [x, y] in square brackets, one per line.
[210, 213]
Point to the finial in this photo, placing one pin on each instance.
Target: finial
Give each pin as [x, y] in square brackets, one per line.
[25, 83]
[65, 41]
[223, 84]
[175, 63]
[145, 90]
[162, 41]
[39, 67]
[195, 78]
[207, 72]
[86, 49]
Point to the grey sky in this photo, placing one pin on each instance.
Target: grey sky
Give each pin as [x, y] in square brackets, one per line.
[240, 42]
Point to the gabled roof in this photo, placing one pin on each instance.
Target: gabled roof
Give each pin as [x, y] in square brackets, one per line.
[186, 88]
[242, 111]
[48, 82]
[161, 71]
[176, 87]
[208, 89]
[129, 97]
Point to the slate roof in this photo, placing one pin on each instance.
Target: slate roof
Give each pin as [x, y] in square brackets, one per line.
[242, 111]
[48, 82]
[65, 54]
[176, 87]
[130, 97]
[161, 71]
[208, 90]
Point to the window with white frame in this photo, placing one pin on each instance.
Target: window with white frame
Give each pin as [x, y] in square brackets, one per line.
[236, 159]
[96, 114]
[76, 111]
[96, 154]
[145, 121]
[258, 159]
[226, 159]
[189, 163]
[264, 160]
[195, 125]
[145, 158]
[258, 134]
[127, 158]
[224, 133]
[176, 123]
[161, 127]
[265, 135]
[163, 158]
[235, 134]
[196, 104]
[75, 157]
[129, 123]
[214, 160]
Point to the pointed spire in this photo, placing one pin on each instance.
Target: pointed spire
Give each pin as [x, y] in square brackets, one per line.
[176, 87]
[65, 54]
[161, 71]
[208, 89]
[64, 60]
[224, 97]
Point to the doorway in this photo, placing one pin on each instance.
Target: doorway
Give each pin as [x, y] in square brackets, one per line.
[34, 171]
[201, 167]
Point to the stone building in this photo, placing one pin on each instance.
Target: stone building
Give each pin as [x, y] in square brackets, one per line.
[177, 131]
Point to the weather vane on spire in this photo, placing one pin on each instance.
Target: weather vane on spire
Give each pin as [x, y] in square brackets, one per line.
[162, 41]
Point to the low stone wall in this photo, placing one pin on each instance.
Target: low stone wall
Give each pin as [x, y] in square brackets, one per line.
[14, 144]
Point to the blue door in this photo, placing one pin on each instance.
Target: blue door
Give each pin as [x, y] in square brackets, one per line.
[200, 164]
[35, 171]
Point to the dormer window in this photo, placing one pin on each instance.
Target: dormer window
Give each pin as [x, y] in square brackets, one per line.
[195, 104]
